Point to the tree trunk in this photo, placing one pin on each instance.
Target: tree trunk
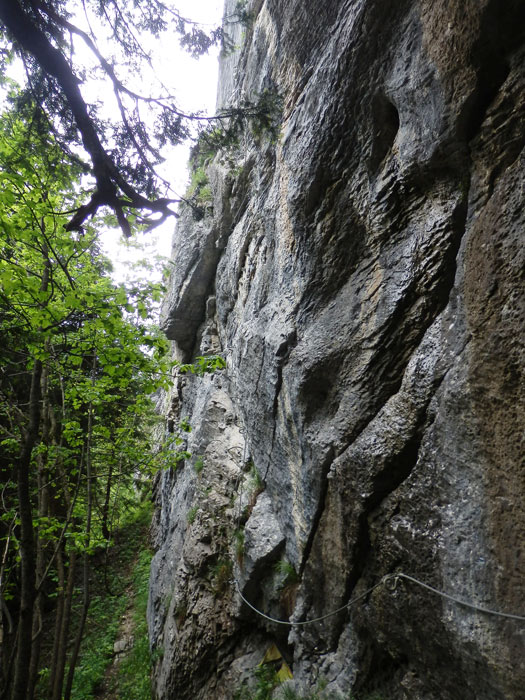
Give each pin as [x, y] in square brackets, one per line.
[27, 535]
[58, 680]
[105, 508]
[43, 511]
[59, 615]
[89, 507]
[6, 635]
[27, 548]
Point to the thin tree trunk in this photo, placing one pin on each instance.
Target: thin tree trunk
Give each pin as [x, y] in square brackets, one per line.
[64, 631]
[107, 499]
[61, 576]
[27, 549]
[43, 511]
[6, 657]
[59, 614]
[89, 506]
[56, 680]
[27, 535]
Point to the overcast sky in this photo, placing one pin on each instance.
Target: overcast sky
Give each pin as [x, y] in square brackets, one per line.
[194, 82]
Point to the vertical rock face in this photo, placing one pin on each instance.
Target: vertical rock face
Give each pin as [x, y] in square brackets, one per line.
[362, 274]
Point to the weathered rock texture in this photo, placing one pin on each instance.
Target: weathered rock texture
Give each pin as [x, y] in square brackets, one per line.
[363, 276]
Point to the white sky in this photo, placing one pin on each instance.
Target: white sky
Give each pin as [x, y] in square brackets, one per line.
[194, 82]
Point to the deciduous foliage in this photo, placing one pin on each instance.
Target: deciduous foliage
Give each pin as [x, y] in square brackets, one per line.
[79, 360]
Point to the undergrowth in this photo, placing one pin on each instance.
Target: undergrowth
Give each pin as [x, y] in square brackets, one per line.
[124, 576]
[135, 668]
[97, 647]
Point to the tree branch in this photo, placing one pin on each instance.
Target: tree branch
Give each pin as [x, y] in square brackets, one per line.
[32, 40]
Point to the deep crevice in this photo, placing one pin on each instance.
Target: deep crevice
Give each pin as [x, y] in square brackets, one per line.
[490, 78]
[502, 28]
[282, 354]
[324, 468]
[385, 122]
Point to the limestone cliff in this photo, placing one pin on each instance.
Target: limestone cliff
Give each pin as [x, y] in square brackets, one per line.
[362, 274]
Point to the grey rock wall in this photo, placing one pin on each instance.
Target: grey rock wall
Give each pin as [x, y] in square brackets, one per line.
[363, 277]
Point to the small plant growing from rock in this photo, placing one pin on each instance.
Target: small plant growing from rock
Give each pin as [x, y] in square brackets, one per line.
[199, 465]
[288, 585]
[261, 687]
[221, 573]
[256, 484]
[242, 14]
[319, 693]
[266, 684]
[238, 536]
[166, 605]
[287, 570]
[157, 654]
[255, 487]
[207, 364]
[256, 481]
[192, 514]
[199, 194]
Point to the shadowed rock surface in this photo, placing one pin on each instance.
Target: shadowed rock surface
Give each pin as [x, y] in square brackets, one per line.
[363, 276]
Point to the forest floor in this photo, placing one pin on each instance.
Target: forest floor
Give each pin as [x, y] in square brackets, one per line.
[121, 647]
[115, 661]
